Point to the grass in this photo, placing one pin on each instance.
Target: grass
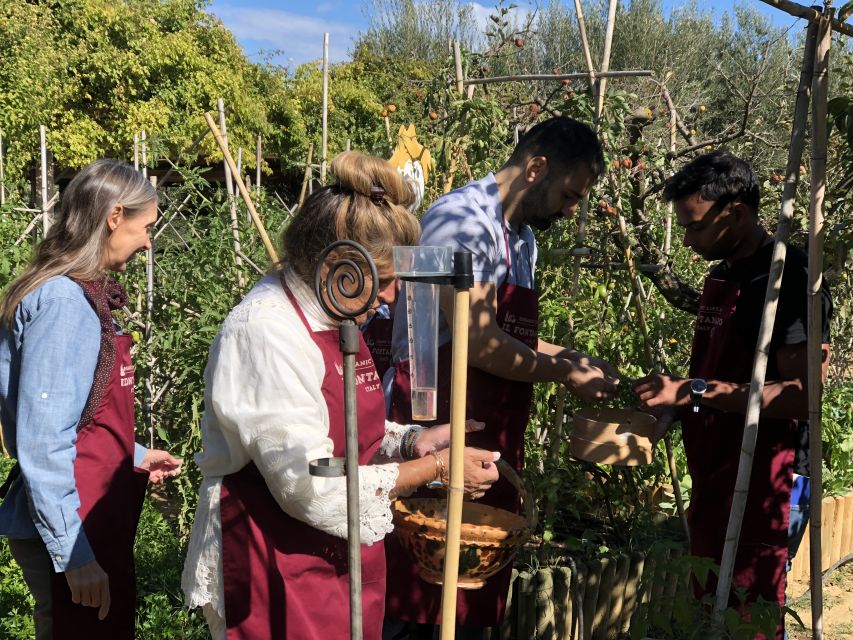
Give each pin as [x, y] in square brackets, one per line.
[160, 611]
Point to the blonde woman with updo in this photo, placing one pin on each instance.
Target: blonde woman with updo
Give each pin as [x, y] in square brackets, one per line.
[72, 501]
[268, 553]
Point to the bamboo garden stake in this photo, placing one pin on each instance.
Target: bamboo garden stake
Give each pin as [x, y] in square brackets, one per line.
[306, 179]
[759, 370]
[457, 68]
[232, 201]
[324, 149]
[45, 219]
[455, 492]
[242, 187]
[667, 238]
[817, 234]
[148, 406]
[259, 160]
[650, 362]
[2, 175]
[601, 84]
[223, 127]
[144, 154]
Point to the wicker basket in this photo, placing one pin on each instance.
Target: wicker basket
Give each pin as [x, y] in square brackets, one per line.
[621, 437]
[489, 539]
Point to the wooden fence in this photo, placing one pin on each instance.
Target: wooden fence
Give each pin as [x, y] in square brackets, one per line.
[836, 539]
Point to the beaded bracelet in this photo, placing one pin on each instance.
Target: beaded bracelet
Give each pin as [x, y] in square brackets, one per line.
[407, 442]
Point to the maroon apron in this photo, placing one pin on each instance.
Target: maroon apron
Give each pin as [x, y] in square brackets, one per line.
[504, 405]
[284, 578]
[712, 441]
[111, 494]
[377, 335]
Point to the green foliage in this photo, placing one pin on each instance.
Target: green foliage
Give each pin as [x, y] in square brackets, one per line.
[838, 438]
[160, 611]
[691, 617]
[98, 72]
[407, 29]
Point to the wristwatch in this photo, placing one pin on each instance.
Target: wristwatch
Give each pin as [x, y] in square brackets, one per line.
[698, 387]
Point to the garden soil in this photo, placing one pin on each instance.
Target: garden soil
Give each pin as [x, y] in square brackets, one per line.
[837, 607]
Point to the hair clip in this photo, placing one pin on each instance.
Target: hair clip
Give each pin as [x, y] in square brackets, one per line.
[377, 195]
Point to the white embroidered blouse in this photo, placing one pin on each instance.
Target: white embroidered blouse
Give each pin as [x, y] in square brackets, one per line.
[263, 403]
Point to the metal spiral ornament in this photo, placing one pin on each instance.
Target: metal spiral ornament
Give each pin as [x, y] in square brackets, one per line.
[345, 280]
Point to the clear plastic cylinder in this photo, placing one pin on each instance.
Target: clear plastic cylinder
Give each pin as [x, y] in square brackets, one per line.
[422, 321]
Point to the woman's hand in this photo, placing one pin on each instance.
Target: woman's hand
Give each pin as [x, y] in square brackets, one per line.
[160, 465]
[90, 587]
[480, 471]
[438, 437]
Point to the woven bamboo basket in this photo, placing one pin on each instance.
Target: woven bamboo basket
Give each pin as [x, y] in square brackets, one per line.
[490, 536]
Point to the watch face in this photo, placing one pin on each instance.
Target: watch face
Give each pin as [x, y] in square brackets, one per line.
[698, 385]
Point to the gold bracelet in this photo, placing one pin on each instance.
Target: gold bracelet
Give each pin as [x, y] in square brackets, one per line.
[440, 470]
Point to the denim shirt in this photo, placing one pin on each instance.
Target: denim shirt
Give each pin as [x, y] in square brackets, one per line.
[47, 366]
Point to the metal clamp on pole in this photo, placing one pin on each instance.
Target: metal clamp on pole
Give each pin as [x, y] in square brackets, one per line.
[340, 277]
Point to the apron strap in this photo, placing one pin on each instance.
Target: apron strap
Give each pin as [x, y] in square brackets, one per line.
[295, 304]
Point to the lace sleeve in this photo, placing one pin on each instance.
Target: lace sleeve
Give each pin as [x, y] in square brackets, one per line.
[267, 392]
[390, 447]
[322, 502]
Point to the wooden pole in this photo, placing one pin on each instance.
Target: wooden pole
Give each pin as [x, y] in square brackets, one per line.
[460, 88]
[144, 154]
[232, 200]
[601, 85]
[259, 160]
[457, 68]
[650, 360]
[306, 178]
[556, 428]
[817, 234]
[242, 187]
[587, 51]
[324, 142]
[2, 174]
[631, 73]
[148, 407]
[455, 491]
[771, 298]
[583, 215]
[667, 239]
[810, 14]
[229, 183]
[45, 219]
[240, 160]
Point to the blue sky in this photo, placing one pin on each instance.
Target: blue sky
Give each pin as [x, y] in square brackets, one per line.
[295, 27]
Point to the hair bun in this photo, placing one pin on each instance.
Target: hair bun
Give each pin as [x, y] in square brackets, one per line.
[368, 175]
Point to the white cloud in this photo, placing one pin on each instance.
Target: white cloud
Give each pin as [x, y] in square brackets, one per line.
[299, 37]
[325, 7]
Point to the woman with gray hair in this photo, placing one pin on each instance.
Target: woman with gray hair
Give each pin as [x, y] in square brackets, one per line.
[72, 502]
